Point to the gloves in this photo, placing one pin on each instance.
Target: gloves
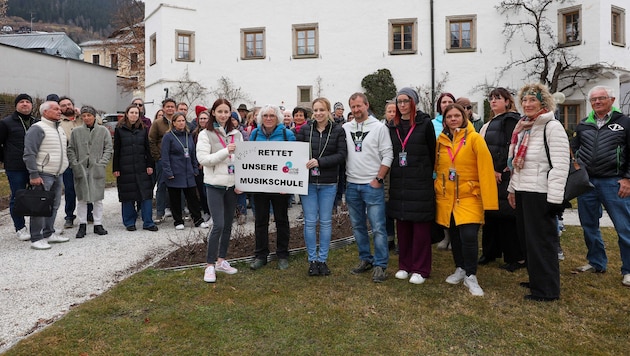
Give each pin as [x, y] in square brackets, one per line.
[554, 209]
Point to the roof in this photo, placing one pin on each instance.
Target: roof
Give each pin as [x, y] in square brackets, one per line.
[53, 43]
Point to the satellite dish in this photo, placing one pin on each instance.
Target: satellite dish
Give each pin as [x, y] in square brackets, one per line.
[558, 97]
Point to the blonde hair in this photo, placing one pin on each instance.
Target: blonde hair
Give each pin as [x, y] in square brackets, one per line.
[326, 104]
[541, 92]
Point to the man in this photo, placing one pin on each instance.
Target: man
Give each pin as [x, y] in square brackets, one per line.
[69, 121]
[12, 131]
[89, 152]
[242, 112]
[602, 142]
[139, 103]
[338, 113]
[369, 158]
[45, 159]
[158, 129]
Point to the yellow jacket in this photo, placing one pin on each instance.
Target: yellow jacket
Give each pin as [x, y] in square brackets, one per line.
[473, 187]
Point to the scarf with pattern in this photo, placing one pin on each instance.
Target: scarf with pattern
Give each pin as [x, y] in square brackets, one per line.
[520, 140]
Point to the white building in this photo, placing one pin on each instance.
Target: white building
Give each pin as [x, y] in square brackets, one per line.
[291, 51]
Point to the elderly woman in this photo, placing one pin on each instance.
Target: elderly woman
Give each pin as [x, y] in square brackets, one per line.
[89, 151]
[464, 188]
[536, 190]
[271, 128]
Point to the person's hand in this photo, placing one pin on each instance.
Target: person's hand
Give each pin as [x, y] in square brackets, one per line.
[375, 184]
[624, 188]
[116, 174]
[238, 191]
[497, 176]
[512, 200]
[231, 147]
[36, 181]
[171, 177]
[554, 209]
[312, 163]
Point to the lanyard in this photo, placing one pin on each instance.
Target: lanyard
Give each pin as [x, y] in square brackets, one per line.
[404, 143]
[180, 142]
[450, 153]
[221, 139]
[310, 139]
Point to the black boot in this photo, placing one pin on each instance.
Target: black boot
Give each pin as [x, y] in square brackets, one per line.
[81, 233]
[99, 230]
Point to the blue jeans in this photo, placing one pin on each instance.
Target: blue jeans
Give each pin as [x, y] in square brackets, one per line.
[362, 198]
[43, 227]
[17, 180]
[318, 204]
[160, 193]
[71, 196]
[130, 214]
[241, 204]
[590, 211]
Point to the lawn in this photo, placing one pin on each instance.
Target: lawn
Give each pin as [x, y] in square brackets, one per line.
[158, 312]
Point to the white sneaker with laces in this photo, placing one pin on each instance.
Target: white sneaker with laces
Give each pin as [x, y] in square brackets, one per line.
[40, 245]
[204, 225]
[225, 267]
[23, 234]
[626, 280]
[416, 278]
[167, 212]
[473, 285]
[586, 268]
[209, 275]
[179, 227]
[401, 274]
[54, 238]
[456, 277]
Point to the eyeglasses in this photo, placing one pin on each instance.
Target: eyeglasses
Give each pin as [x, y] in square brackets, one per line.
[139, 104]
[403, 101]
[495, 97]
[269, 116]
[599, 98]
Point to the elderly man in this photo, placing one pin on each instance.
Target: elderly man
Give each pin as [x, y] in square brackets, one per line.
[46, 159]
[602, 142]
[89, 152]
[12, 131]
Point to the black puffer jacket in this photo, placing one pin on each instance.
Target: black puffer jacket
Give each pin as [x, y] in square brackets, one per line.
[12, 131]
[411, 192]
[329, 147]
[604, 150]
[132, 157]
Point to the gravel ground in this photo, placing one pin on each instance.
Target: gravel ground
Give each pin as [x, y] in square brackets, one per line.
[40, 287]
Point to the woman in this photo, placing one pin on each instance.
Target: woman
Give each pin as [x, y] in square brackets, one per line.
[299, 118]
[390, 111]
[203, 116]
[464, 187]
[271, 128]
[215, 151]
[327, 142]
[133, 167]
[411, 196]
[536, 189]
[180, 166]
[499, 237]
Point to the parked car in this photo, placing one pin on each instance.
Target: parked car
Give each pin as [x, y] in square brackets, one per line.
[110, 121]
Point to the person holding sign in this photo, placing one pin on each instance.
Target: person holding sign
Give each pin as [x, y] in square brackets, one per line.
[271, 128]
[327, 142]
[465, 186]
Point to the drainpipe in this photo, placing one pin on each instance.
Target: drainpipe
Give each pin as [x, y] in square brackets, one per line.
[432, 60]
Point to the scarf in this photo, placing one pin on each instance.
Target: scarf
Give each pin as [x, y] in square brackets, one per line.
[520, 141]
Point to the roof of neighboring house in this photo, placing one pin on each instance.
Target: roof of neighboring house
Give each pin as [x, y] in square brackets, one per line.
[53, 43]
[125, 35]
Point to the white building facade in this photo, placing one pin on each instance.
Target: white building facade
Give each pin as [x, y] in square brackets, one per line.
[288, 52]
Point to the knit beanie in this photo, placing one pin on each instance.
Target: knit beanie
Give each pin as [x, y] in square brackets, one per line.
[52, 97]
[22, 97]
[338, 105]
[199, 109]
[412, 94]
[88, 109]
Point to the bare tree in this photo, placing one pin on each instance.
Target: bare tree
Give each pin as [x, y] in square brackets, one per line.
[426, 103]
[128, 43]
[188, 91]
[228, 90]
[549, 61]
[4, 6]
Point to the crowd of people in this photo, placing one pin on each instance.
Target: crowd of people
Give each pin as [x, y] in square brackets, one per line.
[409, 176]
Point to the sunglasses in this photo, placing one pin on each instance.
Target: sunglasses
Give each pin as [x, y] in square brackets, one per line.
[468, 107]
[139, 104]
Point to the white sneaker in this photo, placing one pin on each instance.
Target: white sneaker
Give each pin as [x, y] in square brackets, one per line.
[456, 277]
[206, 217]
[401, 274]
[225, 268]
[416, 278]
[179, 227]
[209, 275]
[444, 244]
[167, 213]
[204, 225]
[626, 280]
[23, 234]
[473, 285]
[40, 245]
[54, 238]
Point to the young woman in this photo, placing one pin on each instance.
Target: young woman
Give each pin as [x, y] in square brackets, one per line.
[327, 142]
[464, 187]
[133, 167]
[215, 151]
[180, 166]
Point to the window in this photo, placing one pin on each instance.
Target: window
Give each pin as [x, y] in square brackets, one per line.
[152, 49]
[305, 96]
[402, 36]
[185, 46]
[461, 33]
[113, 60]
[305, 41]
[618, 26]
[569, 115]
[253, 43]
[133, 61]
[570, 31]
[96, 59]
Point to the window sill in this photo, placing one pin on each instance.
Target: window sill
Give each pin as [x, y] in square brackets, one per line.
[618, 44]
[252, 58]
[461, 50]
[570, 44]
[402, 52]
[184, 60]
[303, 56]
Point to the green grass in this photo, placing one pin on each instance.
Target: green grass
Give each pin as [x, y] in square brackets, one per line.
[285, 312]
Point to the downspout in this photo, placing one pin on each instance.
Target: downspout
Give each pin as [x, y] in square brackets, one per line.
[432, 60]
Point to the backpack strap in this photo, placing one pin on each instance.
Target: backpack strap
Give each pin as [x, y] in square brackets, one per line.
[547, 146]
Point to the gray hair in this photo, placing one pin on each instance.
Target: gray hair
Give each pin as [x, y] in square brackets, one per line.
[609, 90]
[276, 110]
[46, 106]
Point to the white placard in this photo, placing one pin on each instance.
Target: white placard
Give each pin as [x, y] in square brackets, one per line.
[272, 167]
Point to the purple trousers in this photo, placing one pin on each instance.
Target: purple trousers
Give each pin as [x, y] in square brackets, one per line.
[414, 247]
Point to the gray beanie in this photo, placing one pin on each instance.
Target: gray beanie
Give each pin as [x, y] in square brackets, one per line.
[88, 109]
[412, 94]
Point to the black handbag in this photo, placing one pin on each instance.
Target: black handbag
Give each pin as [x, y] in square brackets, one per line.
[34, 201]
[578, 182]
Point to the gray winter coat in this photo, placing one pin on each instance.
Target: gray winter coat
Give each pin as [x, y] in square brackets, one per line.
[89, 152]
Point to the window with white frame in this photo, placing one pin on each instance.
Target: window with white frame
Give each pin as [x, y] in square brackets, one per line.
[305, 41]
[461, 33]
[152, 49]
[253, 43]
[570, 26]
[185, 46]
[618, 26]
[402, 36]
